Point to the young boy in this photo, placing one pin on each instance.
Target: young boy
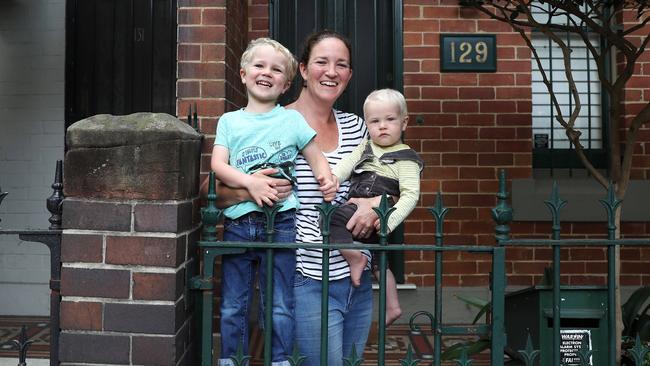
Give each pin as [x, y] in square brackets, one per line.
[382, 165]
[262, 134]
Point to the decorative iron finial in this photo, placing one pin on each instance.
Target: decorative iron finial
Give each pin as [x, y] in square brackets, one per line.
[529, 354]
[353, 360]
[611, 203]
[639, 351]
[502, 213]
[555, 204]
[410, 359]
[239, 358]
[296, 359]
[210, 214]
[326, 210]
[464, 359]
[55, 201]
[270, 212]
[439, 211]
[383, 211]
[22, 345]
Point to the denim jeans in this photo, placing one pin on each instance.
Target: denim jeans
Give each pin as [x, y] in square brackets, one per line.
[350, 314]
[238, 274]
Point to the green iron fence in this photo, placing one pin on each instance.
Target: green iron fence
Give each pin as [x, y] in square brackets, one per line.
[493, 329]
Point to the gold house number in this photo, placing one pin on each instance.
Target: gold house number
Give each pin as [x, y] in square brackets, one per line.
[468, 53]
[465, 49]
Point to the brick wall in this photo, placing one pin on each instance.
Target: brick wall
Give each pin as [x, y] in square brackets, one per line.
[471, 125]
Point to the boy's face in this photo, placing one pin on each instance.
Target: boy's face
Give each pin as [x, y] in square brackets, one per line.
[265, 75]
[385, 123]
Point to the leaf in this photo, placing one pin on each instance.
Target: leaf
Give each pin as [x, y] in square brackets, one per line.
[632, 306]
[454, 351]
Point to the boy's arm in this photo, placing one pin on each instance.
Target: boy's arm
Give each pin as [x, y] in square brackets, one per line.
[321, 169]
[260, 189]
[409, 188]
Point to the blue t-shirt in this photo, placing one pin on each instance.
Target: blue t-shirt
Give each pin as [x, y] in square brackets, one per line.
[256, 138]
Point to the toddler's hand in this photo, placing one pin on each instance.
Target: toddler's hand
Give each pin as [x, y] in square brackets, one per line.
[328, 187]
[261, 188]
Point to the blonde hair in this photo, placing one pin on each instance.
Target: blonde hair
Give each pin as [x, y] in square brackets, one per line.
[247, 56]
[388, 96]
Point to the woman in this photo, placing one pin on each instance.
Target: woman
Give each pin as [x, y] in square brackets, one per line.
[326, 68]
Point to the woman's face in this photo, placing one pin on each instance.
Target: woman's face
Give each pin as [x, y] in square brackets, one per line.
[328, 70]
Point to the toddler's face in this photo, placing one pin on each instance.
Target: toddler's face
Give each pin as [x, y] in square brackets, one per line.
[265, 75]
[385, 123]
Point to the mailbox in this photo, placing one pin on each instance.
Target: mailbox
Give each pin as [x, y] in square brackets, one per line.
[583, 316]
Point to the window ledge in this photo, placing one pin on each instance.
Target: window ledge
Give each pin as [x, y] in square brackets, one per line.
[582, 196]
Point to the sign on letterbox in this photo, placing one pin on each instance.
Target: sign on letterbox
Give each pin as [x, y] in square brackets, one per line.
[468, 53]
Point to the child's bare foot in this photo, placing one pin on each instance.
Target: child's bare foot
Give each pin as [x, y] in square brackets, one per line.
[357, 266]
[392, 314]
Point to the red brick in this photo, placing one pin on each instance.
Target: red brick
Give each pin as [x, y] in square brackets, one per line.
[409, 11]
[82, 248]
[419, 52]
[189, 16]
[147, 251]
[439, 146]
[497, 106]
[194, 70]
[440, 12]
[476, 119]
[460, 186]
[95, 282]
[421, 79]
[460, 107]
[212, 52]
[514, 146]
[495, 159]
[459, 159]
[215, 16]
[420, 25]
[461, 133]
[438, 92]
[476, 93]
[461, 26]
[476, 146]
[81, 315]
[459, 79]
[496, 79]
[158, 286]
[477, 173]
[497, 133]
[202, 34]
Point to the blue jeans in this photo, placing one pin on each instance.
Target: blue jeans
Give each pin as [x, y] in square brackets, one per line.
[350, 314]
[238, 274]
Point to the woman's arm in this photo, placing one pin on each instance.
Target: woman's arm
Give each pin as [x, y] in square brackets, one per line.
[228, 196]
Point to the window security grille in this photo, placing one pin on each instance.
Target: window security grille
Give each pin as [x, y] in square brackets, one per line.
[551, 147]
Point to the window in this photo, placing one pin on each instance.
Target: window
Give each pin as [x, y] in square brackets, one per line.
[551, 147]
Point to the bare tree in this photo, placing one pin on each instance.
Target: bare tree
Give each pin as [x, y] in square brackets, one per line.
[624, 43]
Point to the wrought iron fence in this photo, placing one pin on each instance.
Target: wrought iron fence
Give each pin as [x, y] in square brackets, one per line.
[51, 237]
[494, 329]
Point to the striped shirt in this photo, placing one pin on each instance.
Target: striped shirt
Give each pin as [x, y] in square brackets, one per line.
[352, 131]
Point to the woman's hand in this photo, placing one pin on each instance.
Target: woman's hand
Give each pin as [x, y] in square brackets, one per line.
[365, 219]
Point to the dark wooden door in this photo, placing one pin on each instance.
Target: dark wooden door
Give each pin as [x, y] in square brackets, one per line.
[120, 57]
[374, 28]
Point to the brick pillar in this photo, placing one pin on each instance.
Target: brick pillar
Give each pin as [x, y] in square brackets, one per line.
[128, 246]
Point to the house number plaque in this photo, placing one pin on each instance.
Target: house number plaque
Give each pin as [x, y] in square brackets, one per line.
[468, 53]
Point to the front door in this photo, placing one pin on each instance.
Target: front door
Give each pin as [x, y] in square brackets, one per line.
[120, 57]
